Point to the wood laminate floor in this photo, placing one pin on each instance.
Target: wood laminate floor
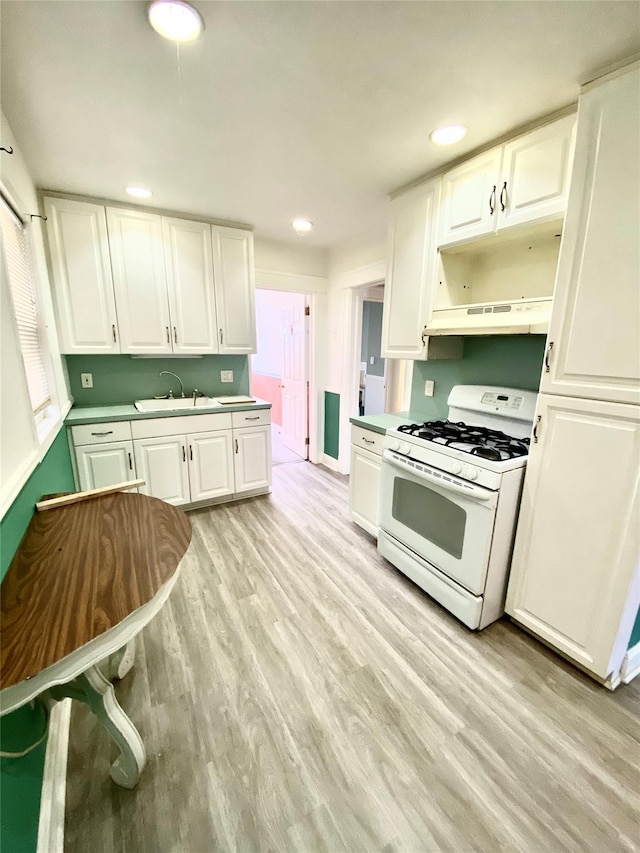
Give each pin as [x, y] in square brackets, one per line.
[297, 693]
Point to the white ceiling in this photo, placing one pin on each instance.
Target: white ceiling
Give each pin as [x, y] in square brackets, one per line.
[285, 109]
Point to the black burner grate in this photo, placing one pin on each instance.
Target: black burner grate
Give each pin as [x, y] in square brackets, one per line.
[479, 441]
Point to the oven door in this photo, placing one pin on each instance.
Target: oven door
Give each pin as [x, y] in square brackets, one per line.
[448, 522]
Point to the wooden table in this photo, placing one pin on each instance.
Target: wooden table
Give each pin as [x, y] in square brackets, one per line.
[84, 581]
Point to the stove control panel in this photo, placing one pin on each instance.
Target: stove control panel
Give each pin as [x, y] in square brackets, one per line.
[502, 401]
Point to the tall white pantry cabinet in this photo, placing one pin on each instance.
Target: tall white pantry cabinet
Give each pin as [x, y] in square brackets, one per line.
[575, 574]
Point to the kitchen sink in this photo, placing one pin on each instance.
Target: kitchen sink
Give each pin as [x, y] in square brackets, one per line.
[175, 404]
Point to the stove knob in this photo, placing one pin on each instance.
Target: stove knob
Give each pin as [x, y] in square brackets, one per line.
[394, 444]
[471, 473]
[456, 467]
[405, 448]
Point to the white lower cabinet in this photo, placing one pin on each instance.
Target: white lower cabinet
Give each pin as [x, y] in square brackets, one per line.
[105, 464]
[578, 536]
[162, 464]
[364, 479]
[210, 464]
[252, 458]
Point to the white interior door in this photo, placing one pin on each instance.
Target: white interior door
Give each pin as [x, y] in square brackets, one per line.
[105, 464]
[295, 422]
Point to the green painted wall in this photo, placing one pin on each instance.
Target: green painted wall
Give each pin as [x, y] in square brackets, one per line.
[509, 360]
[21, 778]
[331, 424]
[122, 379]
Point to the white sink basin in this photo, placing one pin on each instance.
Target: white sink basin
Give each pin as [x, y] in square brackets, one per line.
[175, 404]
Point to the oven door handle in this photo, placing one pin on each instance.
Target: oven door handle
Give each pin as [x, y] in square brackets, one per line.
[473, 492]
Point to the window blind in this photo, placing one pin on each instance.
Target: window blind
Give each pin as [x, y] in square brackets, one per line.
[21, 282]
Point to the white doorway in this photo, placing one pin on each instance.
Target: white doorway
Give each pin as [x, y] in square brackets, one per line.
[372, 366]
[279, 370]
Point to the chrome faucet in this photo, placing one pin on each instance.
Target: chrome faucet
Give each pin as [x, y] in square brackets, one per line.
[169, 373]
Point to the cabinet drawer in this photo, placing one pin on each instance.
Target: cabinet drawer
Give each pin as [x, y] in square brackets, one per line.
[101, 433]
[368, 439]
[251, 418]
[158, 427]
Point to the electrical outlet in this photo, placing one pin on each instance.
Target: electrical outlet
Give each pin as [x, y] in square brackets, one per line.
[372, 359]
[429, 385]
[86, 379]
[226, 376]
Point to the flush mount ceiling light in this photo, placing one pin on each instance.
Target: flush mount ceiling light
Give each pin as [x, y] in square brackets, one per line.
[175, 20]
[447, 135]
[138, 192]
[302, 226]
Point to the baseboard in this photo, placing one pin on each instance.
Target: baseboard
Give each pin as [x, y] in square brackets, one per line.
[54, 782]
[630, 664]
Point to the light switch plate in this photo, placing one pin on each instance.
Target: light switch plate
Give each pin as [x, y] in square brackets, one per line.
[226, 376]
[86, 380]
[429, 385]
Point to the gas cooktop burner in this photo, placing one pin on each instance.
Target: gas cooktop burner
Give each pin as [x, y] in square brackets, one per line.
[478, 441]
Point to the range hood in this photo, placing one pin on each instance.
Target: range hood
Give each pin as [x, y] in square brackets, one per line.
[521, 317]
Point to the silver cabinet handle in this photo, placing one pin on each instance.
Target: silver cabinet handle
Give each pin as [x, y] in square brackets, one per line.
[108, 432]
[535, 429]
[184, 454]
[220, 330]
[256, 418]
[113, 332]
[547, 356]
[168, 335]
[236, 445]
[503, 197]
[130, 462]
[191, 453]
[175, 335]
[368, 440]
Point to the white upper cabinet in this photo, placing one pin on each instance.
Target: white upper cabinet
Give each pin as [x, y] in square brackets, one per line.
[137, 257]
[189, 264]
[469, 198]
[536, 167]
[235, 289]
[578, 537]
[81, 267]
[523, 182]
[411, 252]
[594, 336]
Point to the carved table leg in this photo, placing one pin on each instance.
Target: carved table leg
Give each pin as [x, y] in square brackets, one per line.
[120, 662]
[97, 692]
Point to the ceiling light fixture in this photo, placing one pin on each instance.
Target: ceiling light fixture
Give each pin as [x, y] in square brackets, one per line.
[175, 20]
[302, 226]
[139, 192]
[447, 135]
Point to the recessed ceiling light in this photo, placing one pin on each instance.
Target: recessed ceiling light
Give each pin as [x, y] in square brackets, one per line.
[175, 20]
[139, 192]
[447, 135]
[302, 226]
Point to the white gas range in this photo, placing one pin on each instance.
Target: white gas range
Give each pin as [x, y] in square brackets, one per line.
[450, 495]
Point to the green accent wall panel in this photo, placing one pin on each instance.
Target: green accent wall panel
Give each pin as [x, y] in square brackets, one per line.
[331, 424]
[635, 633]
[123, 379]
[21, 778]
[510, 360]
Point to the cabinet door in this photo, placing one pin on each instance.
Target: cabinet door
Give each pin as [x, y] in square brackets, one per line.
[81, 267]
[105, 464]
[252, 458]
[470, 198]
[189, 263]
[162, 463]
[210, 464]
[594, 335]
[137, 257]
[410, 275]
[536, 167]
[364, 489]
[235, 289]
[578, 535]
